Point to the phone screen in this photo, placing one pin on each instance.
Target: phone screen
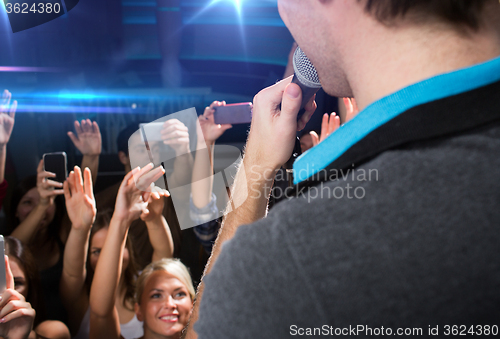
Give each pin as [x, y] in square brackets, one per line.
[3, 277]
[56, 163]
[233, 114]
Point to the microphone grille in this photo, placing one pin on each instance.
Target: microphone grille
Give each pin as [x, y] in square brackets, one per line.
[304, 69]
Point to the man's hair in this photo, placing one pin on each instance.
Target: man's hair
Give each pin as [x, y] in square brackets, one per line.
[460, 13]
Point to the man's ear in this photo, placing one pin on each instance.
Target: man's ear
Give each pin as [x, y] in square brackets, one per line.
[124, 159]
[137, 310]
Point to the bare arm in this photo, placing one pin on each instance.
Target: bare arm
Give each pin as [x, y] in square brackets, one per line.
[7, 115]
[270, 144]
[158, 229]
[80, 204]
[104, 321]
[208, 133]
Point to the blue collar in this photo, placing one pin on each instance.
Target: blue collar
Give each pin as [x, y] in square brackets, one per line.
[389, 107]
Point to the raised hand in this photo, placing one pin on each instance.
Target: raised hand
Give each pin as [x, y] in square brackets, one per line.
[88, 137]
[154, 208]
[175, 134]
[7, 114]
[329, 125]
[135, 192]
[46, 187]
[16, 315]
[212, 131]
[79, 195]
[351, 108]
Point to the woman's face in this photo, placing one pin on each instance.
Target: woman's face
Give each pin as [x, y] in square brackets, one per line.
[165, 305]
[96, 245]
[20, 282]
[28, 202]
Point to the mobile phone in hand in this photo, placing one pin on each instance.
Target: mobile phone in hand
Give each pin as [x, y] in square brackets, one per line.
[3, 277]
[56, 163]
[233, 114]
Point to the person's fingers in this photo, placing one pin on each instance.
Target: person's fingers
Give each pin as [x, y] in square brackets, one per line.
[6, 99]
[145, 180]
[96, 128]
[9, 277]
[332, 126]
[52, 183]
[13, 108]
[71, 182]
[39, 169]
[26, 311]
[334, 123]
[11, 307]
[87, 180]
[78, 180]
[290, 106]
[348, 106]
[56, 192]
[78, 128]
[314, 137]
[88, 126]
[324, 126]
[309, 108]
[67, 194]
[73, 138]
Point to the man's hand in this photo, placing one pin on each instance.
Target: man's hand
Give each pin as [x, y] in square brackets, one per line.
[88, 137]
[46, 187]
[329, 125]
[80, 202]
[175, 134]
[16, 315]
[273, 130]
[212, 131]
[7, 114]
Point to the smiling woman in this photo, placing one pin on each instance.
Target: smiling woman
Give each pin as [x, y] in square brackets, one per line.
[164, 298]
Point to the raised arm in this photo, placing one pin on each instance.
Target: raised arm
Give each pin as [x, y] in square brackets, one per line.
[209, 132]
[270, 144]
[48, 190]
[130, 204]
[7, 114]
[158, 229]
[88, 142]
[80, 204]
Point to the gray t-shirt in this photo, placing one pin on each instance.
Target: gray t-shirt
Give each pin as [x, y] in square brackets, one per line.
[419, 249]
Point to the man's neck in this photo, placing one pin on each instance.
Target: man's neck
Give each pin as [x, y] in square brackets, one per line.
[406, 56]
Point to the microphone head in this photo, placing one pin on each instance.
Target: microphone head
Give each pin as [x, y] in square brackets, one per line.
[304, 70]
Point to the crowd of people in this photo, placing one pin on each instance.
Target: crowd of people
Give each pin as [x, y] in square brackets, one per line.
[419, 251]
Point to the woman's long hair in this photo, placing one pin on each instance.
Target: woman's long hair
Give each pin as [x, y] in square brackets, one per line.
[18, 193]
[102, 220]
[21, 254]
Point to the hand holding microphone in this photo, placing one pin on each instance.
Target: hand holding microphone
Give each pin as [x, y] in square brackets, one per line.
[275, 120]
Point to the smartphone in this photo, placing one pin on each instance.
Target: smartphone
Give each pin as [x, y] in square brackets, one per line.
[151, 131]
[3, 277]
[234, 114]
[56, 163]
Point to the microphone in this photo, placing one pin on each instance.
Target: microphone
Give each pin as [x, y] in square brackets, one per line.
[306, 77]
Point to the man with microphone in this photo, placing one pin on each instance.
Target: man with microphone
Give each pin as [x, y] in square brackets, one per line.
[417, 252]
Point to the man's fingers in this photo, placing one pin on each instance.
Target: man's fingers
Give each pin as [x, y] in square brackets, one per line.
[67, 194]
[290, 105]
[96, 128]
[310, 108]
[314, 137]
